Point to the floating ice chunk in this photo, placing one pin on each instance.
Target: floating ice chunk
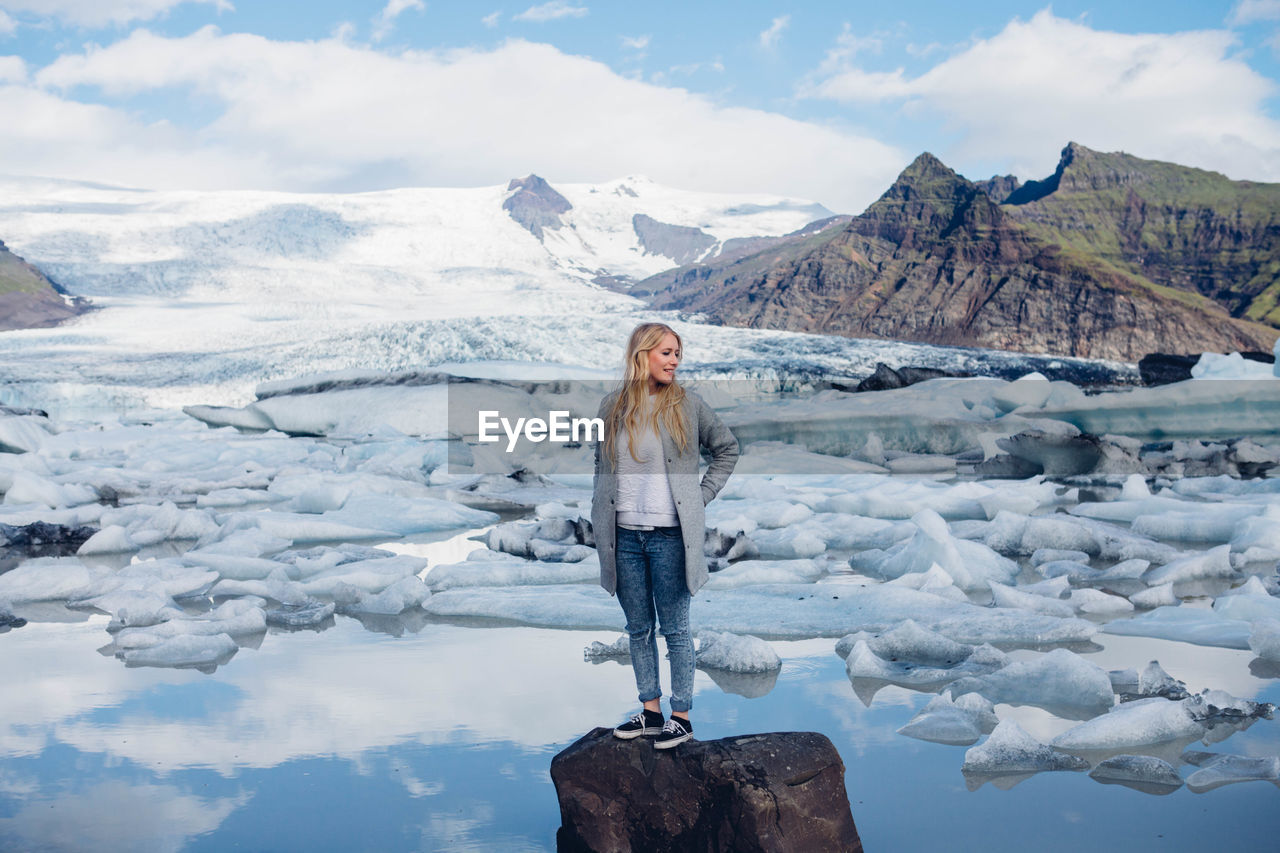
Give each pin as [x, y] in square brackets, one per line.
[371, 576]
[1126, 510]
[509, 571]
[1190, 625]
[1145, 772]
[887, 498]
[137, 609]
[234, 618]
[1133, 724]
[1124, 570]
[1060, 679]
[735, 653]
[619, 648]
[184, 651]
[1261, 531]
[1051, 588]
[232, 566]
[278, 588]
[1134, 488]
[863, 662]
[1154, 681]
[971, 565]
[1011, 533]
[764, 514]
[774, 610]
[233, 498]
[1202, 524]
[909, 641]
[1051, 555]
[294, 527]
[746, 572]
[935, 582]
[1156, 596]
[1214, 563]
[959, 722]
[789, 543]
[398, 597]
[30, 488]
[1218, 706]
[1248, 603]
[1004, 596]
[112, 539]
[1227, 769]
[319, 500]
[1072, 571]
[1099, 603]
[1011, 750]
[48, 579]
[23, 433]
[407, 515]
[1233, 365]
[1264, 639]
[307, 614]
[1030, 390]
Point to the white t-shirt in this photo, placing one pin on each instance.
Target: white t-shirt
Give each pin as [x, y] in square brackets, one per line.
[644, 492]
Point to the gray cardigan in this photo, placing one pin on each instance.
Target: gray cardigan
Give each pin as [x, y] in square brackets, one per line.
[691, 495]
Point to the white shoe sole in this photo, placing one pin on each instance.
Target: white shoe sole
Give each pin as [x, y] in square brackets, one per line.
[637, 733]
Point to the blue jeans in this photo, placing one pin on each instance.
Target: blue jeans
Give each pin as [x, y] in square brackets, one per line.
[651, 575]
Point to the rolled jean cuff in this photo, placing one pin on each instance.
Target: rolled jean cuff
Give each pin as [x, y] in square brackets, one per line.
[682, 705]
[650, 695]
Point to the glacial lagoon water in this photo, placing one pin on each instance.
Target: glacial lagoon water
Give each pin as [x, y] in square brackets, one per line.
[439, 736]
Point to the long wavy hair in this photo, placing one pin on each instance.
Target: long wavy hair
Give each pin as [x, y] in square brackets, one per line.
[633, 392]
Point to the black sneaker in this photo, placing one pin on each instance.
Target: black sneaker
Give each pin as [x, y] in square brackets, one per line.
[647, 723]
[675, 732]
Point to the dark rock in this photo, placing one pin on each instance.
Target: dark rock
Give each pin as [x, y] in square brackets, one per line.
[41, 539]
[583, 534]
[1059, 455]
[1007, 467]
[1258, 355]
[779, 791]
[18, 411]
[680, 243]
[1162, 368]
[535, 205]
[8, 620]
[999, 187]
[884, 378]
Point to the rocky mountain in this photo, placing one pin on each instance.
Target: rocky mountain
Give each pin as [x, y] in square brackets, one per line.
[1053, 270]
[28, 299]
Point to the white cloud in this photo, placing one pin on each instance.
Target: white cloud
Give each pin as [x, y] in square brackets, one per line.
[1249, 11]
[7, 24]
[100, 13]
[769, 38]
[12, 69]
[385, 20]
[333, 115]
[552, 11]
[636, 43]
[491, 19]
[1022, 94]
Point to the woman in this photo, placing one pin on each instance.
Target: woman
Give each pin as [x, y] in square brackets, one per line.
[648, 517]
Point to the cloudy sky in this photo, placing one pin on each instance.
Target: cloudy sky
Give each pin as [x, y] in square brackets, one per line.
[819, 100]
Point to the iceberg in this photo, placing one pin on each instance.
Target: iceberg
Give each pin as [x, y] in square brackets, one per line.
[1060, 680]
[1145, 773]
[734, 653]
[1145, 722]
[958, 722]
[1009, 749]
[184, 651]
[1228, 769]
[1187, 624]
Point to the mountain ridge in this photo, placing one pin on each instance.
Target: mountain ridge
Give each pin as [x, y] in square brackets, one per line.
[936, 260]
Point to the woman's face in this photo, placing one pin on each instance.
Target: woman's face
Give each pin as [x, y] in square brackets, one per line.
[663, 360]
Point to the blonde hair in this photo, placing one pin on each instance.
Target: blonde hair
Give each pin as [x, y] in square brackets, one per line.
[634, 390]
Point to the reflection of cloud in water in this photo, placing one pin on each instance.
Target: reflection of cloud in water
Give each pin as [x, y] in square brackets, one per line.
[345, 691]
[113, 816]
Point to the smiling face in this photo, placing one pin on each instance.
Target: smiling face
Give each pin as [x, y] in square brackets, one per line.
[663, 360]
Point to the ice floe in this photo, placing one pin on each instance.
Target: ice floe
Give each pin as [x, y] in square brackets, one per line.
[959, 721]
[735, 653]
[1144, 722]
[1145, 773]
[1009, 749]
[1060, 680]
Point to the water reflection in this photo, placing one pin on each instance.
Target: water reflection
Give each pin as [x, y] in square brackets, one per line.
[440, 738]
